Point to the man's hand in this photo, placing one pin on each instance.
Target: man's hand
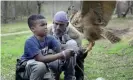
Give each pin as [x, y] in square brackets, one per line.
[67, 53]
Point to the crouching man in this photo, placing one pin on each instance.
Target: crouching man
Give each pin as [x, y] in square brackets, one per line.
[69, 38]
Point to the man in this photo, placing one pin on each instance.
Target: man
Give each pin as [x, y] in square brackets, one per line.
[36, 60]
[64, 33]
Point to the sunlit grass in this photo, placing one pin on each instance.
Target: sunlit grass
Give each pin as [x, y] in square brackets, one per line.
[12, 48]
[15, 27]
[110, 61]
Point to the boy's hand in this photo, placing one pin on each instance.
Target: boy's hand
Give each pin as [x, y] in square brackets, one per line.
[67, 53]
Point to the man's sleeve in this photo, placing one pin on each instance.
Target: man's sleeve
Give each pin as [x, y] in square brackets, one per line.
[31, 49]
[74, 34]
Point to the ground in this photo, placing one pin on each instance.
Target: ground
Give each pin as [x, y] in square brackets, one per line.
[106, 60]
[109, 65]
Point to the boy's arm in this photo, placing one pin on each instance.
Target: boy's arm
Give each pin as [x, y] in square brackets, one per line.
[33, 52]
[55, 46]
[48, 58]
[52, 57]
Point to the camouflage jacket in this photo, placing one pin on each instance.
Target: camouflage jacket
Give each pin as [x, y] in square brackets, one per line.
[72, 32]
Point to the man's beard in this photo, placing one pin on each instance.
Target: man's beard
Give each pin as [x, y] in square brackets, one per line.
[59, 33]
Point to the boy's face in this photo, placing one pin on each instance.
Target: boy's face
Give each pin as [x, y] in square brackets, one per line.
[60, 27]
[40, 27]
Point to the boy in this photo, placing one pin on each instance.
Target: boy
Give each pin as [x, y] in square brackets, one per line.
[36, 52]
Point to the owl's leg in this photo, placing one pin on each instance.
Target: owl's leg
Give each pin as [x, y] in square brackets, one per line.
[91, 44]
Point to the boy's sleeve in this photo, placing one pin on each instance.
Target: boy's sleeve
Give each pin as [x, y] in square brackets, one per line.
[55, 45]
[31, 49]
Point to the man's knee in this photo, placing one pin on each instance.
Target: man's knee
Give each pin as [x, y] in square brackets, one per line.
[70, 66]
[72, 60]
[72, 44]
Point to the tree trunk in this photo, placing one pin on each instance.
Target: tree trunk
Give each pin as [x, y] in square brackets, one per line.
[5, 12]
[39, 4]
[129, 8]
[122, 8]
[14, 11]
[53, 8]
[132, 7]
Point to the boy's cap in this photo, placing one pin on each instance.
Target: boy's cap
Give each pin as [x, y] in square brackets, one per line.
[61, 16]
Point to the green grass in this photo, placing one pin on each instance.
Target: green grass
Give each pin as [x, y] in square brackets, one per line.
[15, 27]
[119, 48]
[101, 61]
[12, 48]
[120, 22]
[110, 61]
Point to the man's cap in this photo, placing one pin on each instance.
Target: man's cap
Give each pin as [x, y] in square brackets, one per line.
[61, 16]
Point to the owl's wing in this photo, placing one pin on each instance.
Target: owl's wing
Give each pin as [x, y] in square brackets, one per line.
[101, 9]
[93, 15]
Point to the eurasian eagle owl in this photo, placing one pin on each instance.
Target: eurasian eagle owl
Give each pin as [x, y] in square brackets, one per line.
[92, 19]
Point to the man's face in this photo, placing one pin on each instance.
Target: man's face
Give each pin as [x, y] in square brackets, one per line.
[40, 27]
[60, 27]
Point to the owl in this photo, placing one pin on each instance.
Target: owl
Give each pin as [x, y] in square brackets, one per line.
[92, 19]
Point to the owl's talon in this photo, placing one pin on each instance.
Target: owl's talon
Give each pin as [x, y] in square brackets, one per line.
[91, 44]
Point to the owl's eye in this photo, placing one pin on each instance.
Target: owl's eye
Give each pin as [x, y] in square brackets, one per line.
[76, 22]
[80, 29]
